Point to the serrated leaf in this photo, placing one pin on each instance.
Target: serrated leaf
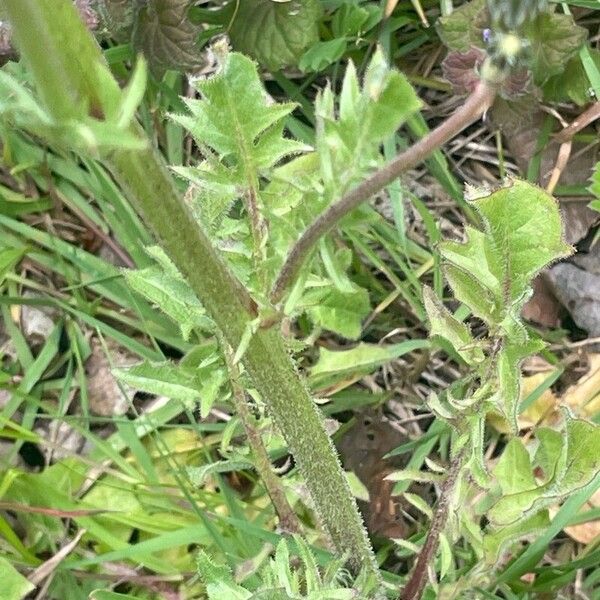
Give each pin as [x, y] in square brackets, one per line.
[463, 28]
[219, 580]
[349, 145]
[14, 585]
[339, 312]
[443, 324]
[168, 39]
[242, 133]
[554, 39]
[275, 33]
[173, 296]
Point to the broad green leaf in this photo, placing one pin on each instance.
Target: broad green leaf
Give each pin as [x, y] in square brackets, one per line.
[275, 33]
[549, 457]
[513, 471]
[339, 312]
[443, 324]
[499, 538]
[464, 27]
[361, 359]
[572, 84]
[168, 39]
[14, 585]
[349, 20]
[491, 272]
[555, 38]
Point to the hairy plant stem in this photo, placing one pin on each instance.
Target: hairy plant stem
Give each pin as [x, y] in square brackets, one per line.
[65, 62]
[288, 520]
[475, 105]
[415, 586]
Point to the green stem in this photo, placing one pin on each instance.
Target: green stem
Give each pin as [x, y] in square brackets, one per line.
[65, 62]
[288, 521]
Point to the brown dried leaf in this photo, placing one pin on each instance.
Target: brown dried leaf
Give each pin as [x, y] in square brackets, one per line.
[585, 533]
[584, 396]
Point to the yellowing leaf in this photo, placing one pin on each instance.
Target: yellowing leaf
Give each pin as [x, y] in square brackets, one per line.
[584, 396]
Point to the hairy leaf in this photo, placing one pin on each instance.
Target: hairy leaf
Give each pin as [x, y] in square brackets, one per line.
[491, 272]
[443, 324]
[576, 465]
[167, 38]
[176, 382]
[171, 293]
[241, 131]
[275, 33]
[361, 359]
[348, 138]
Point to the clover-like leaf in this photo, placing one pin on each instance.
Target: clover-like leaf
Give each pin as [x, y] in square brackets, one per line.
[275, 33]
[166, 36]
